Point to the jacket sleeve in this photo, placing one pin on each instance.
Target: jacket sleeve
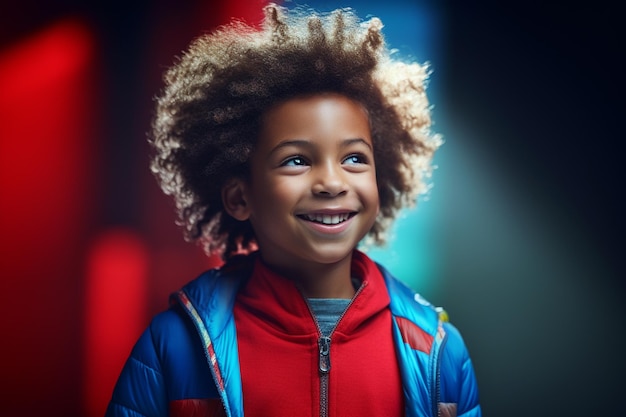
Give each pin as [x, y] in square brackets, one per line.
[140, 389]
[458, 381]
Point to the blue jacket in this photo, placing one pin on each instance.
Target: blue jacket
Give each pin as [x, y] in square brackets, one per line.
[190, 352]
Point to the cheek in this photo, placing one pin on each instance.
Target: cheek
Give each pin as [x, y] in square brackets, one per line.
[286, 190]
[373, 191]
[270, 193]
[375, 195]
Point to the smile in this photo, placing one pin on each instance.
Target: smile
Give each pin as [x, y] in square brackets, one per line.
[328, 219]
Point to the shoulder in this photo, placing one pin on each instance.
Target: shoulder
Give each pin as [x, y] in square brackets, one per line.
[172, 330]
[172, 345]
[168, 331]
[406, 303]
[167, 363]
[220, 282]
[211, 296]
[168, 360]
[458, 381]
[141, 386]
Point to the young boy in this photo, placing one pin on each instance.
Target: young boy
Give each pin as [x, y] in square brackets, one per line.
[284, 147]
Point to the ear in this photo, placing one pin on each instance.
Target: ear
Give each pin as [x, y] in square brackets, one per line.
[234, 199]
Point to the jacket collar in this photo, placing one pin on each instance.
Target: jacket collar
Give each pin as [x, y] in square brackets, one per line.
[277, 300]
[214, 294]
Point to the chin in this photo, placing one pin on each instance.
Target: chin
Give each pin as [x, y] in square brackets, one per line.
[331, 255]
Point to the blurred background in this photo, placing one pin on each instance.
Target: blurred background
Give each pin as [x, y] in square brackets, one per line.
[520, 238]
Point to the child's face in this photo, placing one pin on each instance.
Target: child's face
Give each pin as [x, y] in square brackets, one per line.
[313, 194]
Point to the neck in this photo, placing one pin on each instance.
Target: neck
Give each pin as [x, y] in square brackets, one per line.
[321, 280]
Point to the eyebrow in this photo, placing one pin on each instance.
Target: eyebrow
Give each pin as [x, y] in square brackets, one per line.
[309, 144]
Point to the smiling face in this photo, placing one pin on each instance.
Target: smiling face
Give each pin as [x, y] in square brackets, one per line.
[312, 195]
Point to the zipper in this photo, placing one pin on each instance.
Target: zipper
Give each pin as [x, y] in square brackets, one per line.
[324, 369]
[323, 343]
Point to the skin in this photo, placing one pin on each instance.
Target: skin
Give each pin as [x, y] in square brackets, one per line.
[313, 194]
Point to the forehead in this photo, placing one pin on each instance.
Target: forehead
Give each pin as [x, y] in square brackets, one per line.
[316, 117]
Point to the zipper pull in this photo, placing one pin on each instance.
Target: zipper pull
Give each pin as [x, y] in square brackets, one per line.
[324, 345]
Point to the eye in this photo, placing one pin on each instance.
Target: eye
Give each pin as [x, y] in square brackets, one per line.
[293, 161]
[355, 158]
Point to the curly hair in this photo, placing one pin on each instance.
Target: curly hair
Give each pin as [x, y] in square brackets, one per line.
[209, 113]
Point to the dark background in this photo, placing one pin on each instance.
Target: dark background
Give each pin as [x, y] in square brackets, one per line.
[539, 90]
[529, 233]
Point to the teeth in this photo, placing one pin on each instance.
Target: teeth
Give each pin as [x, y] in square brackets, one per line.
[327, 218]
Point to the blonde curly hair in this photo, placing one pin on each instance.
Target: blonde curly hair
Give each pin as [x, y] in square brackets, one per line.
[209, 112]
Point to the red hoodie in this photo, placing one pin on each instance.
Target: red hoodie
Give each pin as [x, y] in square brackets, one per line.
[279, 350]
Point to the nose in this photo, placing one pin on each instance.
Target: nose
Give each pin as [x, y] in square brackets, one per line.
[329, 180]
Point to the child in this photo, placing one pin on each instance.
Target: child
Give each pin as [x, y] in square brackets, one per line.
[283, 148]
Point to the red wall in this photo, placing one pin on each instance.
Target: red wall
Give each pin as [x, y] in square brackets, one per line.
[85, 259]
